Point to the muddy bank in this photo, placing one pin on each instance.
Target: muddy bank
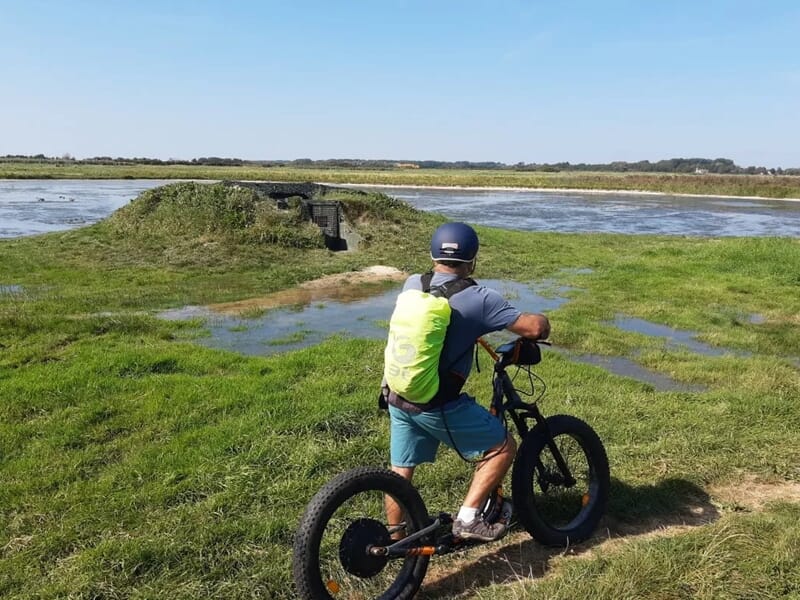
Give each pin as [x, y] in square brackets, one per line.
[343, 287]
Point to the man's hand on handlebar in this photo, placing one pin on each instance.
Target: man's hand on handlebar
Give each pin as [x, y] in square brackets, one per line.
[531, 326]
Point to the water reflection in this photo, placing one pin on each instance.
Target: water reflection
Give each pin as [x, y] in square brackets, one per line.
[628, 368]
[352, 315]
[674, 338]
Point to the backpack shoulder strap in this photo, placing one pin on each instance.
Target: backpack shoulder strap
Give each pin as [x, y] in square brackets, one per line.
[451, 288]
[426, 281]
[447, 290]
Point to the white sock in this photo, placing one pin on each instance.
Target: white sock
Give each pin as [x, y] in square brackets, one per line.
[467, 514]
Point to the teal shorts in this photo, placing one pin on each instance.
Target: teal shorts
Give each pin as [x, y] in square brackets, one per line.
[415, 437]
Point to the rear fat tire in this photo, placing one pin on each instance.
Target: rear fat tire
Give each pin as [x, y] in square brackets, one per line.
[306, 558]
[591, 462]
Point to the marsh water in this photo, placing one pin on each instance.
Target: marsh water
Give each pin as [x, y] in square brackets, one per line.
[29, 207]
[585, 212]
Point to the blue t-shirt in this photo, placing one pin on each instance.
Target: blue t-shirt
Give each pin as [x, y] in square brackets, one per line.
[475, 311]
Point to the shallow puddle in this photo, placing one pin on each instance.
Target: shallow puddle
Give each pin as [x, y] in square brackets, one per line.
[675, 338]
[326, 307]
[340, 287]
[10, 290]
[300, 326]
[628, 368]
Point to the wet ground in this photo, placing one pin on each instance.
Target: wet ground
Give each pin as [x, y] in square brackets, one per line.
[337, 311]
[305, 324]
[628, 368]
[673, 338]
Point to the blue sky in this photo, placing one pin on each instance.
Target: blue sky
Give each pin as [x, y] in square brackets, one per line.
[507, 81]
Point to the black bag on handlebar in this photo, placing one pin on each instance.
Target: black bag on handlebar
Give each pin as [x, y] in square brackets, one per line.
[521, 352]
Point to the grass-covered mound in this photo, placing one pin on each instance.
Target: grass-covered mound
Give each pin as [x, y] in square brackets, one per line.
[185, 216]
[215, 212]
[136, 464]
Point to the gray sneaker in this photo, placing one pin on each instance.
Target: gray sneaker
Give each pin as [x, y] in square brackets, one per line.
[479, 529]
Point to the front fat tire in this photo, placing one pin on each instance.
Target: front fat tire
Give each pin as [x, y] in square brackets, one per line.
[305, 563]
[590, 468]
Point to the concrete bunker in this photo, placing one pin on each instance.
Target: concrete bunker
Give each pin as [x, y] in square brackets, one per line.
[328, 215]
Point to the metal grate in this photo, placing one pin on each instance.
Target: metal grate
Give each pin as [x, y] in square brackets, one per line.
[326, 216]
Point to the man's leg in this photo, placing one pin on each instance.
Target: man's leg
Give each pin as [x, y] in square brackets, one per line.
[394, 513]
[489, 473]
[409, 445]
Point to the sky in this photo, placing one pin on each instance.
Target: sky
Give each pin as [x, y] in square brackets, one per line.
[504, 80]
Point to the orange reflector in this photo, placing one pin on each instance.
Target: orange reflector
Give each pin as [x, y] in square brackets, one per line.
[585, 499]
[332, 586]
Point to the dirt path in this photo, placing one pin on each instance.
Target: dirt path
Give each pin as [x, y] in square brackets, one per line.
[520, 557]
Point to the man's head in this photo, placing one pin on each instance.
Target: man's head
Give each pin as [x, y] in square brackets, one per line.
[455, 245]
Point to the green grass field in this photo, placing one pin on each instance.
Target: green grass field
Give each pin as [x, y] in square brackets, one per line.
[734, 185]
[138, 464]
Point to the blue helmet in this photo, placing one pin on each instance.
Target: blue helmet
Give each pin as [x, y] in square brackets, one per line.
[454, 241]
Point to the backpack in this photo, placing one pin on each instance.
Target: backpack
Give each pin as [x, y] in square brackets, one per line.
[416, 337]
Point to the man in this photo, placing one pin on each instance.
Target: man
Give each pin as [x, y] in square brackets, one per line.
[452, 417]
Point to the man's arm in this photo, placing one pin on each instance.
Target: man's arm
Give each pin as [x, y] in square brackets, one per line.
[531, 326]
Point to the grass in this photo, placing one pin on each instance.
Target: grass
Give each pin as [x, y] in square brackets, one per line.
[293, 338]
[135, 464]
[738, 556]
[677, 183]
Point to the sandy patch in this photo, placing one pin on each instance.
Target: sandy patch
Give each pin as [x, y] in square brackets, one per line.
[750, 494]
[344, 287]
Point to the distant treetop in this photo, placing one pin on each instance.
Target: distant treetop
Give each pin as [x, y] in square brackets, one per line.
[672, 165]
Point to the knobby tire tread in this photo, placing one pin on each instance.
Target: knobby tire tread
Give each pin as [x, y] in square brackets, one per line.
[305, 567]
[524, 471]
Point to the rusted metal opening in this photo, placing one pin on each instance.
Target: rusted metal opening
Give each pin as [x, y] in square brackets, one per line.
[327, 215]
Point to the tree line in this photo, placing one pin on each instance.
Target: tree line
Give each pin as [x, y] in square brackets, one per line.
[673, 165]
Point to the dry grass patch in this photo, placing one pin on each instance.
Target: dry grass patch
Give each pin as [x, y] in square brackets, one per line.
[752, 495]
